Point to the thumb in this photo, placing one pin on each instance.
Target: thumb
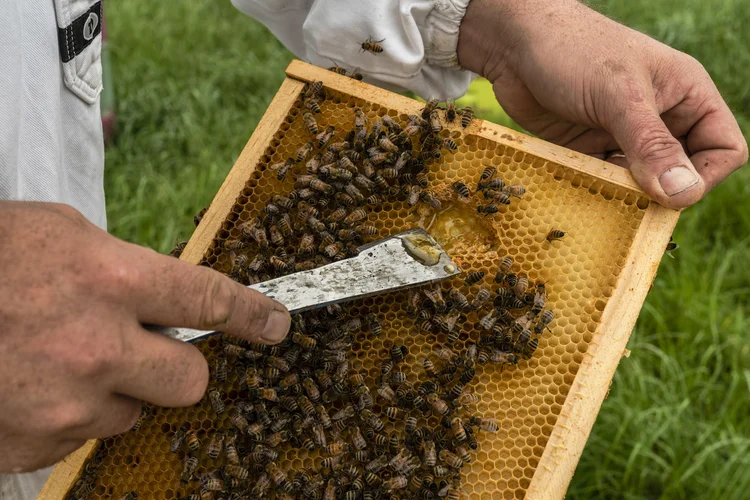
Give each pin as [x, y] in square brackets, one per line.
[175, 293]
[657, 160]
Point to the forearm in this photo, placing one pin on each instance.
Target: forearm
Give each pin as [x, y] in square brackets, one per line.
[495, 34]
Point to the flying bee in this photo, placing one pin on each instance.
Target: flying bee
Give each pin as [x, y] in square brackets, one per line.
[487, 209]
[337, 69]
[191, 464]
[430, 106]
[429, 453]
[325, 136]
[310, 122]
[555, 234]
[516, 190]
[215, 445]
[216, 401]
[372, 46]
[179, 438]
[282, 168]
[467, 114]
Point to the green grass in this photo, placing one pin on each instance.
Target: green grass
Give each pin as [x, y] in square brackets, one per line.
[192, 83]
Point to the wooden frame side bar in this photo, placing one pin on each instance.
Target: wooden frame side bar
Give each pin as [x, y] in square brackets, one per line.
[66, 472]
[241, 171]
[591, 384]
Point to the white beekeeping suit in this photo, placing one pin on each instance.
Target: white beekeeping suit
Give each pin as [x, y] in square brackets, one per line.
[51, 145]
[419, 38]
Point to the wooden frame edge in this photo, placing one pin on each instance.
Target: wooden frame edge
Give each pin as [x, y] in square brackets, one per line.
[66, 472]
[245, 165]
[488, 130]
[591, 384]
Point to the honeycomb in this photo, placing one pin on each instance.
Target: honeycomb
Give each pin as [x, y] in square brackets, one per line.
[580, 271]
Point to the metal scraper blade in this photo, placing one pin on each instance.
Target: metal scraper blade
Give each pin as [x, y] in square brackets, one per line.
[400, 261]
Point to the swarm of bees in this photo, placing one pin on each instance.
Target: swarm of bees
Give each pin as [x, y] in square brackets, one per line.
[398, 438]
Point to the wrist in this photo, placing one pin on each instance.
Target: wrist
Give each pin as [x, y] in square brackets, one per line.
[495, 35]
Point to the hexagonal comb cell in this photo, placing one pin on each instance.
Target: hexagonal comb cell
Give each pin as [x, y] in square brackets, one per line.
[524, 394]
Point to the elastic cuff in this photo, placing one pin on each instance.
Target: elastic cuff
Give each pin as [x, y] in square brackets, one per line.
[443, 23]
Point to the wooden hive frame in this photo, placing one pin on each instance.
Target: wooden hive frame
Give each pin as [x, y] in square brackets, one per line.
[607, 346]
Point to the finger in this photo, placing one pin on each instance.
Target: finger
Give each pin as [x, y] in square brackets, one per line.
[717, 145]
[160, 370]
[593, 141]
[175, 293]
[657, 159]
[115, 415]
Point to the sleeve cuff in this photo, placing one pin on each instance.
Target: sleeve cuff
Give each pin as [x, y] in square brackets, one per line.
[441, 40]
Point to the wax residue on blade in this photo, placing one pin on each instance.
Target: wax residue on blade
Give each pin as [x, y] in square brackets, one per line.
[421, 249]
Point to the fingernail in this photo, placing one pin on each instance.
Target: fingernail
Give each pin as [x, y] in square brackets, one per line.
[277, 326]
[678, 179]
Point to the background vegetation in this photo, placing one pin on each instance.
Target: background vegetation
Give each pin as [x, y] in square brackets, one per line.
[192, 79]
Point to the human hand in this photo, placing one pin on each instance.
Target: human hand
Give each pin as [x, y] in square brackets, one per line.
[574, 77]
[76, 361]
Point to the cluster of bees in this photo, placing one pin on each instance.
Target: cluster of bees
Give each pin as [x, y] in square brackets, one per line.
[402, 438]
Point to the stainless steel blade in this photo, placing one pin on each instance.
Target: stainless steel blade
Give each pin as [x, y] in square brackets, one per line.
[400, 261]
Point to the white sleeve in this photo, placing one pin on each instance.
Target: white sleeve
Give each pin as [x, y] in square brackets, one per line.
[419, 39]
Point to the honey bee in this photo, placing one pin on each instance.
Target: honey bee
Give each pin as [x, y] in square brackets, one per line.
[387, 393]
[230, 448]
[325, 136]
[372, 420]
[439, 406]
[215, 445]
[357, 75]
[235, 245]
[457, 428]
[398, 377]
[487, 209]
[188, 469]
[337, 69]
[179, 438]
[393, 484]
[238, 420]
[310, 122]
[529, 348]
[304, 151]
[282, 168]
[372, 46]
[555, 234]
[178, 249]
[516, 190]
[474, 278]
[522, 285]
[467, 114]
[131, 495]
[429, 453]
[355, 216]
[450, 144]
[430, 106]
[489, 320]
[458, 299]
[435, 124]
[192, 441]
[199, 216]
[360, 120]
[358, 440]
[435, 295]
[261, 486]
[216, 401]
[278, 476]
[312, 104]
[544, 320]
[462, 189]
[451, 459]
[414, 194]
[312, 390]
